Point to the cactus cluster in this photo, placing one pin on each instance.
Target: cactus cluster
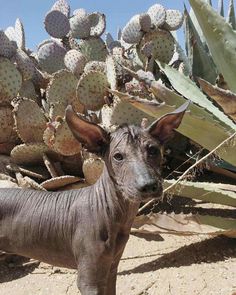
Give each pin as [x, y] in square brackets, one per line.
[144, 73]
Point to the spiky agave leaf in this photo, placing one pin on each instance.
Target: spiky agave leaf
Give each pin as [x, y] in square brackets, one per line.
[221, 39]
[231, 15]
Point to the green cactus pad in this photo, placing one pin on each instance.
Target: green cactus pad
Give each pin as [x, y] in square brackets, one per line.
[98, 24]
[7, 47]
[10, 80]
[62, 6]
[20, 34]
[30, 153]
[61, 91]
[56, 24]
[60, 139]
[94, 49]
[28, 90]
[95, 66]
[51, 57]
[92, 169]
[158, 15]
[111, 72]
[122, 112]
[174, 20]
[30, 121]
[91, 90]
[59, 182]
[163, 45]
[80, 25]
[24, 64]
[75, 62]
[7, 134]
[132, 33]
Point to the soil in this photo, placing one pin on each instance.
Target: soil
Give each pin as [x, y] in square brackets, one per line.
[152, 265]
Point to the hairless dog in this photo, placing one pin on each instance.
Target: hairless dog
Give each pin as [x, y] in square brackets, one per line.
[87, 229]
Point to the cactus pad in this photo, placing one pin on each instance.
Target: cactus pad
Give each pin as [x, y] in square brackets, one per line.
[145, 22]
[20, 34]
[132, 33]
[174, 20]
[62, 6]
[51, 57]
[24, 64]
[122, 112]
[75, 62]
[92, 169]
[111, 72]
[27, 90]
[7, 47]
[10, 80]
[29, 120]
[57, 24]
[162, 45]
[7, 134]
[61, 91]
[91, 90]
[94, 49]
[59, 138]
[80, 25]
[158, 14]
[98, 24]
[30, 153]
[59, 182]
[95, 66]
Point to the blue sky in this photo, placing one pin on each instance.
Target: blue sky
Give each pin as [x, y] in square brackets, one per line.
[118, 12]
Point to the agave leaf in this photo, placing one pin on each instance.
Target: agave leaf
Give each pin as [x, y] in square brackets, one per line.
[221, 7]
[231, 15]
[189, 89]
[221, 39]
[225, 98]
[180, 224]
[200, 60]
[205, 191]
[199, 129]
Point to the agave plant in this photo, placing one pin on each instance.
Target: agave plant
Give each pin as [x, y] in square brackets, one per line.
[143, 74]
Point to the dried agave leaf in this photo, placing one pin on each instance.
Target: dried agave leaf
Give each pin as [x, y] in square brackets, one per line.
[30, 120]
[225, 98]
[180, 224]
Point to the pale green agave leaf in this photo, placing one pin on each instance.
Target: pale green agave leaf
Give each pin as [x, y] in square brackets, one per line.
[189, 89]
[231, 15]
[221, 39]
[204, 191]
[221, 10]
[207, 133]
[200, 60]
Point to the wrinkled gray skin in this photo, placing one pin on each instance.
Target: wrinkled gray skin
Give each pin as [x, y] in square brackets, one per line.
[87, 229]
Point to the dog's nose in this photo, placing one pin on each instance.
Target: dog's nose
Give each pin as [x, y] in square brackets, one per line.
[149, 187]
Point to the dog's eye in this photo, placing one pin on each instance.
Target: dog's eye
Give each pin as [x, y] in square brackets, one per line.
[153, 150]
[118, 157]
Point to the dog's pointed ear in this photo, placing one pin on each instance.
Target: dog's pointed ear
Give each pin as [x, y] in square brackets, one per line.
[93, 137]
[163, 128]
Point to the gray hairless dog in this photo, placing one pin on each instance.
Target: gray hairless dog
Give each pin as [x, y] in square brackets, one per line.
[87, 229]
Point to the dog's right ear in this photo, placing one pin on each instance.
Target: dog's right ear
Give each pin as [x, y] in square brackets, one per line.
[93, 137]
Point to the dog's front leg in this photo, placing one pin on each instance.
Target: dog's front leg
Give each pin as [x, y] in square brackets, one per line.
[93, 272]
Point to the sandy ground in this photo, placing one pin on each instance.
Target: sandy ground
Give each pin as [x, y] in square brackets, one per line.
[162, 265]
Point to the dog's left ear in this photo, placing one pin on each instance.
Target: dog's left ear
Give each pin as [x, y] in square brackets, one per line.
[163, 128]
